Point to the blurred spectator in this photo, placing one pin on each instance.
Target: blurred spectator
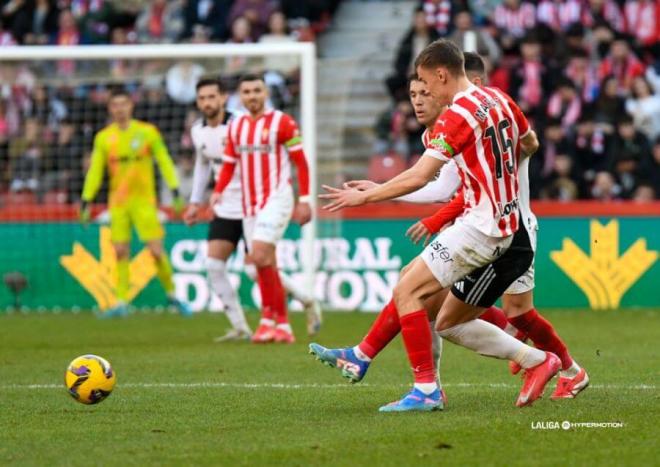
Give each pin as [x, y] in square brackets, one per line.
[43, 24]
[257, 12]
[560, 184]
[470, 38]
[241, 31]
[160, 21]
[644, 107]
[437, 14]
[654, 170]
[559, 15]
[531, 79]
[565, 103]
[482, 10]
[26, 153]
[609, 104]
[583, 75]
[398, 131]
[514, 18]
[554, 141]
[622, 63]
[6, 37]
[605, 187]
[15, 14]
[45, 107]
[630, 156]
[591, 148]
[181, 79]
[96, 18]
[63, 162]
[278, 33]
[642, 20]
[418, 37]
[644, 193]
[607, 11]
[210, 14]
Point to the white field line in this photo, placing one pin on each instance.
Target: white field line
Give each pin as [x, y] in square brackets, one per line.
[636, 387]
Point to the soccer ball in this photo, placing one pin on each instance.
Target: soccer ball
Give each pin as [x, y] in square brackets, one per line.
[89, 379]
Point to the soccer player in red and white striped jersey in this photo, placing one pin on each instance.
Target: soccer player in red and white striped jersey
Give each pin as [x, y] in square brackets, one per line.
[484, 132]
[265, 143]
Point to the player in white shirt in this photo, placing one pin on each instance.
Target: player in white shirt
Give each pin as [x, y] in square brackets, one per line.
[226, 228]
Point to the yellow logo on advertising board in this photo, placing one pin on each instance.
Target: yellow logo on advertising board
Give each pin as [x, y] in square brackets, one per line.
[605, 276]
[99, 277]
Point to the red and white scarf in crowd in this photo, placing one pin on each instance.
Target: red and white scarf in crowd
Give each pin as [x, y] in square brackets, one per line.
[438, 15]
[643, 20]
[559, 14]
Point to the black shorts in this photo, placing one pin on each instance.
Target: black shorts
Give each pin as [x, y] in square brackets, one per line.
[483, 286]
[226, 229]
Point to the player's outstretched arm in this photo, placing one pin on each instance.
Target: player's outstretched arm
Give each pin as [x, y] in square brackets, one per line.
[224, 177]
[439, 190]
[406, 182]
[429, 226]
[529, 144]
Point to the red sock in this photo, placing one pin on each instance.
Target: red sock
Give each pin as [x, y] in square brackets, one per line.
[384, 329]
[543, 335]
[272, 294]
[495, 316]
[417, 338]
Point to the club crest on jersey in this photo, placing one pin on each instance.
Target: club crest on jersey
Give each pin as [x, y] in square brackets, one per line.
[265, 133]
[135, 144]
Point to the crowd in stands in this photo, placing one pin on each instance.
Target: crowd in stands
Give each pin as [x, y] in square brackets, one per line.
[586, 72]
[49, 112]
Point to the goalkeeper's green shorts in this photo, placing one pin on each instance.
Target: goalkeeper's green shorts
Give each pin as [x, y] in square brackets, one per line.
[142, 216]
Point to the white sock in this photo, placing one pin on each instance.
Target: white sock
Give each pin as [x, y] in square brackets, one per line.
[437, 350]
[267, 322]
[296, 289]
[489, 340]
[360, 354]
[285, 327]
[570, 372]
[426, 388]
[216, 270]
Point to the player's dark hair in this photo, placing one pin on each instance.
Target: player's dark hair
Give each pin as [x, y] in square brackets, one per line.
[442, 53]
[412, 77]
[250, 77]
[474, 64]
[211, 81]
[119, 91]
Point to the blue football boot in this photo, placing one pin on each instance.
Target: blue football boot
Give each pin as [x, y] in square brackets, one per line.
[352, 368]
[416, 401]
[182, 307]
[120, 310]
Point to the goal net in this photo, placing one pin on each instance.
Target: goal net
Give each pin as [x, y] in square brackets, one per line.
[53, 101]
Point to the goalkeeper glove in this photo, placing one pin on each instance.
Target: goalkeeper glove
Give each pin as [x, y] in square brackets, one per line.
[85, 213]
[178, 203]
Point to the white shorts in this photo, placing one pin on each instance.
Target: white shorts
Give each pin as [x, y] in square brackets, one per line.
[270, 223]
[460, 249]
[525, 283]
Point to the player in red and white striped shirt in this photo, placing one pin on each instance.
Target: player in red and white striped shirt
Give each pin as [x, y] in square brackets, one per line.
[485, 133]
[266, 143]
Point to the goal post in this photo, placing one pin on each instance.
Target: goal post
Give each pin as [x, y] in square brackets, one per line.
[304, 53]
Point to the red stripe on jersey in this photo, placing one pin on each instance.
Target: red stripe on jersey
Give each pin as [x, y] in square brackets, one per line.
[472, 159]
[265, 163]
[235, 134]
[251, 162]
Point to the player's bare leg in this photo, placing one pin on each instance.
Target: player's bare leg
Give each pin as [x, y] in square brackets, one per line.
[218, 252]
[520, 310]
[122, 253]
[274, 324]
[164, 273]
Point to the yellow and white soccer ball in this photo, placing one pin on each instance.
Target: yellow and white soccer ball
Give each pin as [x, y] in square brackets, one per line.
[89, 379]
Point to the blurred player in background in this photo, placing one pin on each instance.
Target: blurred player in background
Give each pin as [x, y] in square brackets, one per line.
[266, 143]
[225, 230]
[127, 148]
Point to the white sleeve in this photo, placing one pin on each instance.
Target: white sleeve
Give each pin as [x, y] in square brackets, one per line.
[440, 190]
[200, 177]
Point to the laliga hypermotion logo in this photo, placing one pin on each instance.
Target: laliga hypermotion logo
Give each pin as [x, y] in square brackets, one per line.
[99, 277]
[604, 277]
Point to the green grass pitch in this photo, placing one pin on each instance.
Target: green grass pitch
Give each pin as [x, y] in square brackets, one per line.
[180, 399]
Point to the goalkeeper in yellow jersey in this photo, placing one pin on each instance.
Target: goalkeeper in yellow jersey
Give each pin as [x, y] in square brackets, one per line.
[127, 149]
